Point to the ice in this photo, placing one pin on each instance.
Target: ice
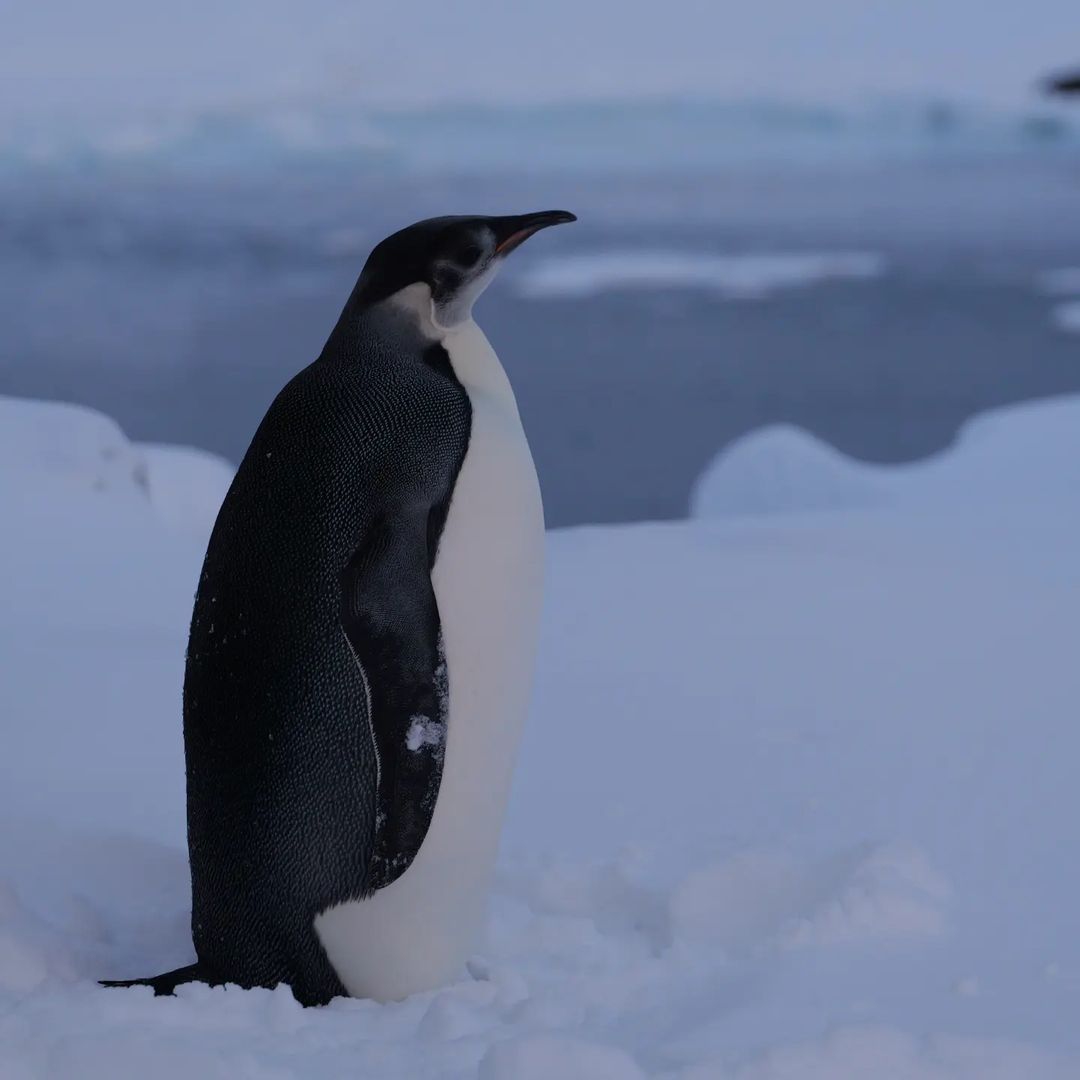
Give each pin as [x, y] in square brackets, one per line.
[796, 799]
[1061, 281]
[749, 276]
[1067, 317]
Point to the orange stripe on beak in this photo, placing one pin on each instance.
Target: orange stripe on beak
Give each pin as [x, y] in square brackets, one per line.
[515, 239]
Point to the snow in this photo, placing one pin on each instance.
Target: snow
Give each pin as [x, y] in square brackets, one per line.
[423, 731]
[884, 1054]
[1021, 451]
[734, 277]
[186, 485]
[540, 1058]
[781, 468]
[796, 799]
[75, 450]
[883, 892]
[68, 447]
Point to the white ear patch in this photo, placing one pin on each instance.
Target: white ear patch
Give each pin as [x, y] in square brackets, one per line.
[458, 309]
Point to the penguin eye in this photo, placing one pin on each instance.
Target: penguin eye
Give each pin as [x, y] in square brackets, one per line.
[468, 255]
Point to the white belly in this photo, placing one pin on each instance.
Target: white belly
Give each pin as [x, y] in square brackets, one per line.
[416, 933]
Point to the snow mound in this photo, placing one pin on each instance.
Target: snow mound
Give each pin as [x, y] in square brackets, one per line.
[783, 469]
[52, 450]
[186, 486]
[68, 446]
[1067, 317]
[733, 277]
[1020, 450]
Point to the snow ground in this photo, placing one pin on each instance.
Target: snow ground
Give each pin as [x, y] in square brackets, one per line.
[263, 87]
[797, 799]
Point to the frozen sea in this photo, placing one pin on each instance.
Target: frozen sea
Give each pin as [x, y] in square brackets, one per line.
[875, 303]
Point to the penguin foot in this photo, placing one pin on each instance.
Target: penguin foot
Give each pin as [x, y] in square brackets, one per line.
[167, 983]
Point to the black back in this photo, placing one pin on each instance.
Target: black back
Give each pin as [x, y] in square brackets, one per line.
[314, 639]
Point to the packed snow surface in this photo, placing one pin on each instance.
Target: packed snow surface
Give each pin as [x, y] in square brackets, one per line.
[797, 800]
[748, 276]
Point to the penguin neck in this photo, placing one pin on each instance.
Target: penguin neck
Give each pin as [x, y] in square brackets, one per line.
[408, 316]
[474, 361]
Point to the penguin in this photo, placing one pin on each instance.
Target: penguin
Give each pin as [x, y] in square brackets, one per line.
[362, 643]
[1067, 83]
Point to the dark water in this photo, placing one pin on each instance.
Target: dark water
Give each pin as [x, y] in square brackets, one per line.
[180, 310]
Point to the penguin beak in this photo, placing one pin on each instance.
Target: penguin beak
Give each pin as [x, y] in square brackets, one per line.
[512, 232]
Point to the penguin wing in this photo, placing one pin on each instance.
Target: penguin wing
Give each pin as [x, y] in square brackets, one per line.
[391, 622]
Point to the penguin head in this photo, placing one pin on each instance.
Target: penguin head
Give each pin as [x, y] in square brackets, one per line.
[445, 263]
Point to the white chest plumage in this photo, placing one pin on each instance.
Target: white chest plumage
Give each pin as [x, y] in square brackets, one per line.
[416, 933]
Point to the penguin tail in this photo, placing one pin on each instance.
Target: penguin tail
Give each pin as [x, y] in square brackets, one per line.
[167, 983]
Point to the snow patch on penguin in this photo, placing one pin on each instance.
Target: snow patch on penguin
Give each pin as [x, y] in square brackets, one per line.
[423, 731]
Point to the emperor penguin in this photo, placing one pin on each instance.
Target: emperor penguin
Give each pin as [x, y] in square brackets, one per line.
[362, 643]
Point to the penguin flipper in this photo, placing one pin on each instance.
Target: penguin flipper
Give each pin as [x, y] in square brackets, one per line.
[391, 621]
[167, 983]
